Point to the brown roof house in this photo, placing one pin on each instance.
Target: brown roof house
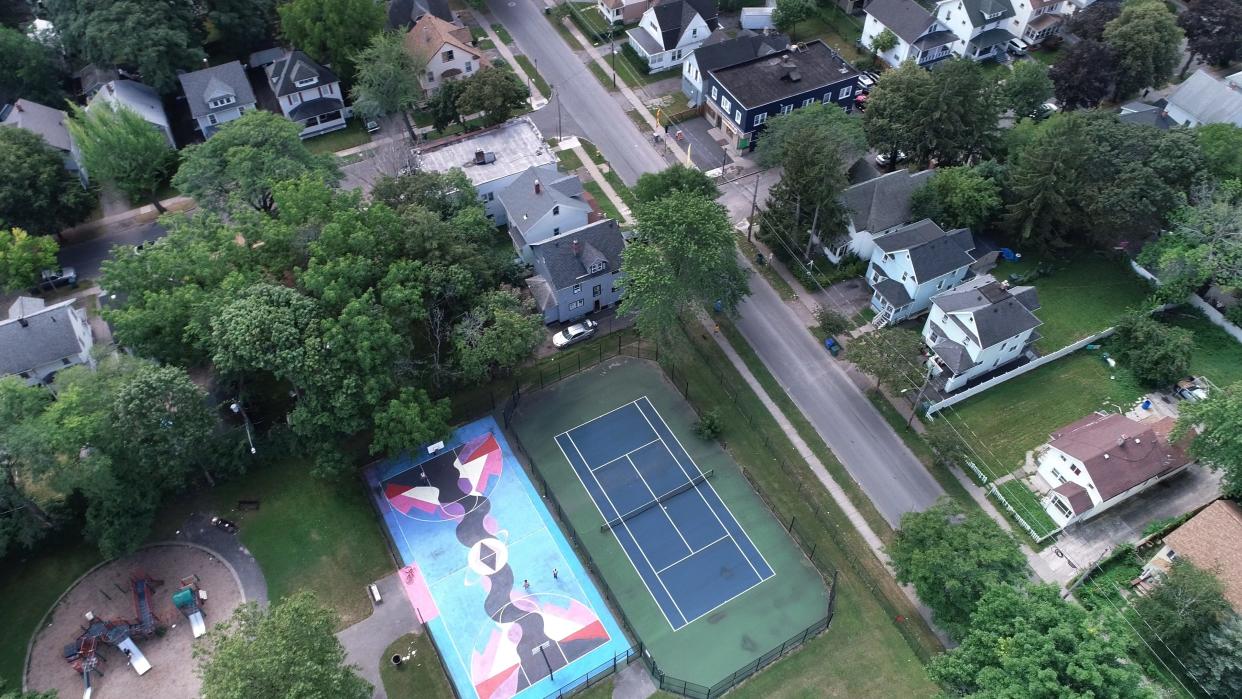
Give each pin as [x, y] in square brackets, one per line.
[1211, 540]
[448, 49]
[1101, 460]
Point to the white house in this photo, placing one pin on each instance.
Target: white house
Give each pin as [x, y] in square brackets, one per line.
[309, 93]
[721, 51]
[448, 49]
[37, 340]
[1209, 541]
[1203, 99]
[141, 99]
[913, 263]
[669, 32]
[49, 124]
[541, 204]
[217, 95]
[1101, 460]
[920, 37]
[875, 207]
[1036, 20]
[579, 272]
[491, 159]
[978, 327]
[982, 26]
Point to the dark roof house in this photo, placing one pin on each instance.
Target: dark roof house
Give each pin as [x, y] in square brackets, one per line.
[36, 340]
[1119, 452]
[905, 18]
[402, 14]
[883, 202]
[933, 251]
[675, 15]
[720, 51]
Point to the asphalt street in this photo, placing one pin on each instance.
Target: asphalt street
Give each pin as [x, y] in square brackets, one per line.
[87, 256]
[602, 122]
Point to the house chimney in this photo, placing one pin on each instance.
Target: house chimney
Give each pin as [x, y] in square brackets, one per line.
[577, 248]
[18, 106]
[111, 88]
[24, 323]
[538, 187]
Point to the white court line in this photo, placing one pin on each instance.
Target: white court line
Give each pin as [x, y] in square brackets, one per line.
[663, 511]
[598, 417]
[629, 558]
[623, 456]
[679, 560]
[709, 485]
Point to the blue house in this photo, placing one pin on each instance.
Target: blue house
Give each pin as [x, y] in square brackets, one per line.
[740, 98]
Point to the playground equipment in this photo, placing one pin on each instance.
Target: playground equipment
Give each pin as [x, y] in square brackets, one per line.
[83, 655]
[189, 600]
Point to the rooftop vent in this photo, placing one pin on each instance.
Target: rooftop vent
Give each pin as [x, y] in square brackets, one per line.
[482, 157]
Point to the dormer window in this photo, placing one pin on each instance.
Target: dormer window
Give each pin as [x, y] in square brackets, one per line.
[596, 267]
[221, 101]
[447, 55]
[306, 82]
[993, 15]
[556, 211]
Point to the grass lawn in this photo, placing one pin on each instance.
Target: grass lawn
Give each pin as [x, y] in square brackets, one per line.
[1047, 57]
[1026, 504]
[601, 75]
[28, 588]
[1005, 422]
[1079, 297]
[782, 287]
[821, 27]
[540, 83]
[619, 187]
[354, 134]
[633, 69]
[420, 677]
[569, 160]
[1216, 354]
[609, 209]
[502, 33]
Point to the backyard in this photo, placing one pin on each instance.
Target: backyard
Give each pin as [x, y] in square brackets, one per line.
[354, 134]
[1216, 355]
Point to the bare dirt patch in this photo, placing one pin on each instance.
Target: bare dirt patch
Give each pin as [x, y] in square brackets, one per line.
[106, 593]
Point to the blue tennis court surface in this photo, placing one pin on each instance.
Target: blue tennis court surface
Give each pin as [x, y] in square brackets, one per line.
[689, 550]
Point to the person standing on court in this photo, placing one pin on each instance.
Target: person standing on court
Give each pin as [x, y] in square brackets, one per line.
[554, 572]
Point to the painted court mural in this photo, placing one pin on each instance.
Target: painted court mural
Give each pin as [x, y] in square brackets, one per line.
[488, 572]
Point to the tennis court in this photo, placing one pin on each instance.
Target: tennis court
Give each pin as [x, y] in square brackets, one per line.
[678, 534]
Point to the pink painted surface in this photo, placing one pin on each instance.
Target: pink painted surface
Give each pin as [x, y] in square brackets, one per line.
[417, 592]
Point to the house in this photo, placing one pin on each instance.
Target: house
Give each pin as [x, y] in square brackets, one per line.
[142, 100]
[48, 123]
[920, 37]
[1101, 460]
[670, 31]
[543, 203]
[875, 207]
[913, 263]
[720, 51]
[309, 93]
[1152, 115]
[1209, 540]
[1203, 99]
[742, 97]
[578, 273]
[977, 327]
[402, 14]
[981, 26]
[217, 95]
[491, 159]
[761, 18]
[448, 49]
[38, 340]
[1036, 20]
[623, 11]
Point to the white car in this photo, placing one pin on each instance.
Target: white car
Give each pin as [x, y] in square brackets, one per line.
[574, 333]
[882, 159]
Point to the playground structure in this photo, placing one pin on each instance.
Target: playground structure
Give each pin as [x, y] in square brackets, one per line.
[189, 600]
[83, 655]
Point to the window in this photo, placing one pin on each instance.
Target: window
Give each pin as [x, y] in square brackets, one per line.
[760, 118]
[1057, 475]
[808, 101]
[1077, 471]
[725, 105]
[1062, 507]
[431, 77]
[447, 56]
[713, 92]
[556, 210]
[306, 82]
[556, 231]
[786, 109]
[694, 32]
[597, 289]
[489, 196]
[576, 304]
[827, 97]
[211, 119]
[737, 117]
[65, 361]
[468, 68]
[993, 15]
[577, 288]
[846, 92]
[888, 257]
[221, 101]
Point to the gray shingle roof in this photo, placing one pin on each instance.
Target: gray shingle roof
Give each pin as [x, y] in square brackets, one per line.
[906, 18]
[767, 79]
[933, 252]
[403, 13]
[1209, 100]
[42, 120]
[976, 9]
[991, 37]
[954, 356]
[294, 66]
[893, 291]
[313, 108]
[998, 313]
[1146, 115]
[226, 78]
[563, 260]
[675, 15]
[523, 205]
[47, 336]
[719, 54]
[883, 202]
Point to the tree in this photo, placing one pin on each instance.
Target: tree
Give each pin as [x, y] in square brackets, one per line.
[789, 13]
[957, 197]
[884, 42]
[37, 194]
[331, 31]
[683, 256]
[167, 423]
[891, 355]
[1222, 150]
[245, 159]
[1027, 87]
[287, 650]
[1146, 41]
[444, 111]
[952, 557]
[1215, 661]
[1083, 76]
[387, 78]
[27, 522]
[409, 421]
[1158, 354]
[1213, 31]
[1028, 642]
[1187, 602]
[154, 38]
[495, 91]
[239, 26]
[1204, 244]
[121, 147]
[29, 70]
[1044, 179]
[6, 693]
[1088, 23]
[675, 178]
[1218, 443]
[269, 328]
[825, 127]
[23, 257]
[497, 335]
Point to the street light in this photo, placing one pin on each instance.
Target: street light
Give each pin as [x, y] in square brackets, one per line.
[237, 408]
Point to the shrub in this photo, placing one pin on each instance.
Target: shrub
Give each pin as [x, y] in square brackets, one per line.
[831, 322]
[1233, 314]
[710, 425]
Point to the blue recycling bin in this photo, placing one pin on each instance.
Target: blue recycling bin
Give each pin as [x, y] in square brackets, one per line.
[833, 347]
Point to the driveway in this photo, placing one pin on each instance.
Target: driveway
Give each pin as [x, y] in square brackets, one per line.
[603, 122]
[1084, 544]
[706, 153]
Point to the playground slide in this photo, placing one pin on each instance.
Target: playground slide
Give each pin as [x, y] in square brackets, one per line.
[197, 625]
[136, 658]
[142, 606]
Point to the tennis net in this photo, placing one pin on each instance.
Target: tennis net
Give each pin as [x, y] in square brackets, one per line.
[688, 485]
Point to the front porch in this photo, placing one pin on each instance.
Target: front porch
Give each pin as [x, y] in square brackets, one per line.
[988, 44]
[1043, 26]
[934, 47]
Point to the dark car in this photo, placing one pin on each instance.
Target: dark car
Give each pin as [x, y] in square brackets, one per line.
[50, 279]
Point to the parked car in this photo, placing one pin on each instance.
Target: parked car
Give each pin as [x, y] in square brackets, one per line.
[574, 333]
[1017, 47]
[373, 126]
[883, 160]
[50, 279]
[866, 81]
[1045, 110]
[1192, 389]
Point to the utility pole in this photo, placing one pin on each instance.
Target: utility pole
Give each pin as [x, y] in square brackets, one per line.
[918, 398]
[754, 199]
[559, 137]
[612, 51]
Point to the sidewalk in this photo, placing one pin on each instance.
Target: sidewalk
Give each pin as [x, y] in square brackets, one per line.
[572, 143]
[141, 214]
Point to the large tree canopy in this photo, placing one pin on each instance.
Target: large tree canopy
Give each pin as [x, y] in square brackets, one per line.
[387, 80]
[675, 178]
[29, 70]
[331, 31]
[1026, 88]
[36, 192]
[958, 197]
[1213, 30]
[496, 91]
[1146, 41]
[1219, 444]
[23, 257]
[121, 147]
[1222, 150]
[239, 26]
[1083, 76]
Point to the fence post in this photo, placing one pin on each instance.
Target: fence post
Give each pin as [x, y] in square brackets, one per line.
[792, 519]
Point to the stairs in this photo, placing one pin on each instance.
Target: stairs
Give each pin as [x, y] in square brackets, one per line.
[882, 319]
